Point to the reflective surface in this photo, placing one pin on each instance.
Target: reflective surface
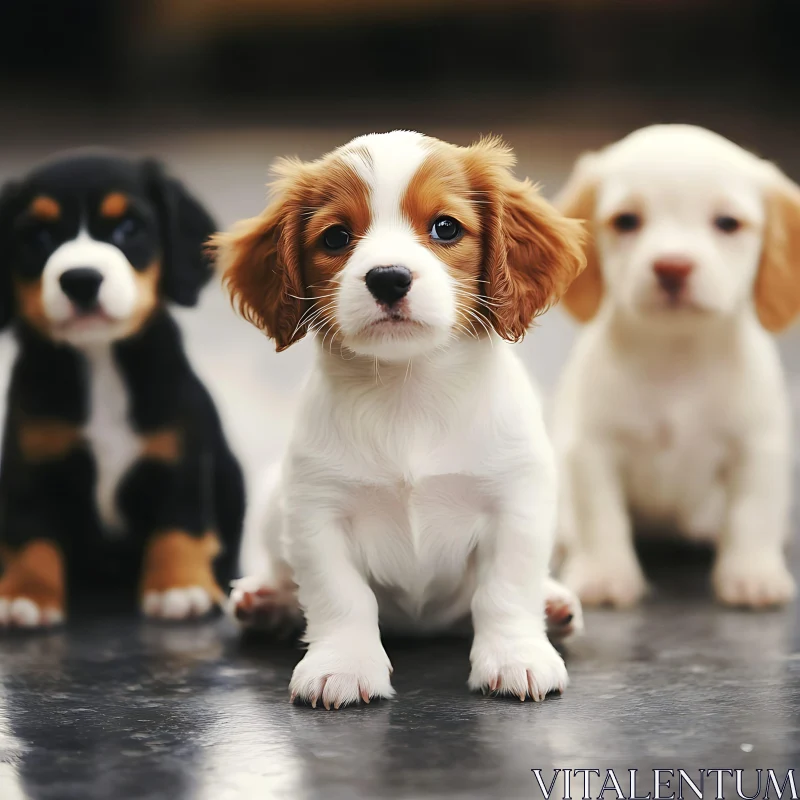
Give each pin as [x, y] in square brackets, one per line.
[116, 708]
[112, 708]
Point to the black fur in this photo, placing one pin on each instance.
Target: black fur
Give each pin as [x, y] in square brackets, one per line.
[203, 489]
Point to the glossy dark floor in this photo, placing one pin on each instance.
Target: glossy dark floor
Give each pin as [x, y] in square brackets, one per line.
[116, 708]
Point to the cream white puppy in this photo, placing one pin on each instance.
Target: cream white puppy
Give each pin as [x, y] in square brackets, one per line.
[673, 409]
[419, 485]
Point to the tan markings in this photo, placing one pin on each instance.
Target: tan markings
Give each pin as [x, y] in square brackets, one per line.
[114, 205]
[164, 445]
[30, 305]
[441, 188]
[45, 208]
[147, 296]
[271, 263]
[777, 284]
[577, 200]
[46, 439]
[531, 252]
[176, 560]
[35, 571]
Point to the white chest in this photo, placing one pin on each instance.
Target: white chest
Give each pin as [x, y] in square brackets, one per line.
[108, 433]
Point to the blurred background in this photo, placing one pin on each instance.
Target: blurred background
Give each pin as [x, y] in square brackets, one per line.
[219, 88]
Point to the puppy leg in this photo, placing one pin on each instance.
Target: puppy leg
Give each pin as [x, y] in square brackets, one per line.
[32, 589]
[601, 565]
[510, 652]
[563, 610]
[178, 575]
[750, 569]
[345, 661]
[266, 598]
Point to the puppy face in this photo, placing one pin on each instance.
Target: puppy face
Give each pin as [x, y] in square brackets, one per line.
[91, 247]
[685, 227]
[395, 244]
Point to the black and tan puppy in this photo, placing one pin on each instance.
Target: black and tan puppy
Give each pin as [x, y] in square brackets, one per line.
[114, 462]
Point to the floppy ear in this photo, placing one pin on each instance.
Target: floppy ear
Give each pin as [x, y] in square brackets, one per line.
[777, 285]
[8, 196]
[532, 252]
[185, 227]
[577, 201]
[260, 259]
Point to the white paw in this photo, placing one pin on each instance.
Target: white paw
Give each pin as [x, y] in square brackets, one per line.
[340, 674]
[753, 581]
[614, 581]
[527, 668]
[21, 612]
[177, 604]
[563, 610]
[259, 605]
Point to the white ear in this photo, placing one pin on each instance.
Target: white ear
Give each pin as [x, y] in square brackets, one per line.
[776, 292]
[577, 200]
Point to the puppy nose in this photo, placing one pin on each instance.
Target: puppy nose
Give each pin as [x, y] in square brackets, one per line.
[672, 272]
[81, 285]
[388, 284]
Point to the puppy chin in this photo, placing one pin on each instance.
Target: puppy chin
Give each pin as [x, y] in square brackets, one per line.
[91, 330]
[395, 340]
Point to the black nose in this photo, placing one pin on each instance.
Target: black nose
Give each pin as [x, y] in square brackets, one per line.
[389, 284]
[81, 285]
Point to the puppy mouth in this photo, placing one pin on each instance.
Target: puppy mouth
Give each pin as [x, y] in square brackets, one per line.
[86, 320]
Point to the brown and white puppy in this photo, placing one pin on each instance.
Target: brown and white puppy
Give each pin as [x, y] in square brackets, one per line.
[419, 482]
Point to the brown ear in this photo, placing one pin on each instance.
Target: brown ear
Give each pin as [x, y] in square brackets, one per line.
[261, 261]
[532, 252]
[577, 201]
[777, 285]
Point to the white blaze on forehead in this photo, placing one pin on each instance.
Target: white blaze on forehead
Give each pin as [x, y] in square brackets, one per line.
[387, 162]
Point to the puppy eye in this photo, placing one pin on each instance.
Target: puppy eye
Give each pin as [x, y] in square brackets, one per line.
[627, 222]
[127, 229]
[727, 224]
[40, 239]
[336, 238]
[445, 229]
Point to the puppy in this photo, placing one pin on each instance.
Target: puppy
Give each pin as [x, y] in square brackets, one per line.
[419, 484]
[114, 461]
[673, 409]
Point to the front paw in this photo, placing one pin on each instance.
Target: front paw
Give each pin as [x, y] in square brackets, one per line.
[531, 668]
[752, 581]
[264, 606]
[615, 581]
[179, 603]
[25, 612]
[341, 673]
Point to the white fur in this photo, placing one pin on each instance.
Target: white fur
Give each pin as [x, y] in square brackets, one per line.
[419, 485]
[113, 443]
[679, 416]
[117, 296]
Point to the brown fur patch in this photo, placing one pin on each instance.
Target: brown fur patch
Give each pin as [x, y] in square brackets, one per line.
[29, 303]
[46, 439]
[163, 445]
[45, 208]
[176, 560]
[777, 286]
[577, 201]
[441, 188]
[114, 204]
[147, 296]
[274, 266]
[531, 252]
[35, 571]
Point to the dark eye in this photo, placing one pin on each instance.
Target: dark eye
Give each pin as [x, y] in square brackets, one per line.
[40, 239]
[445, 229]
[627, 222]
[727, 224]
[126, 229]
[336, 238]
